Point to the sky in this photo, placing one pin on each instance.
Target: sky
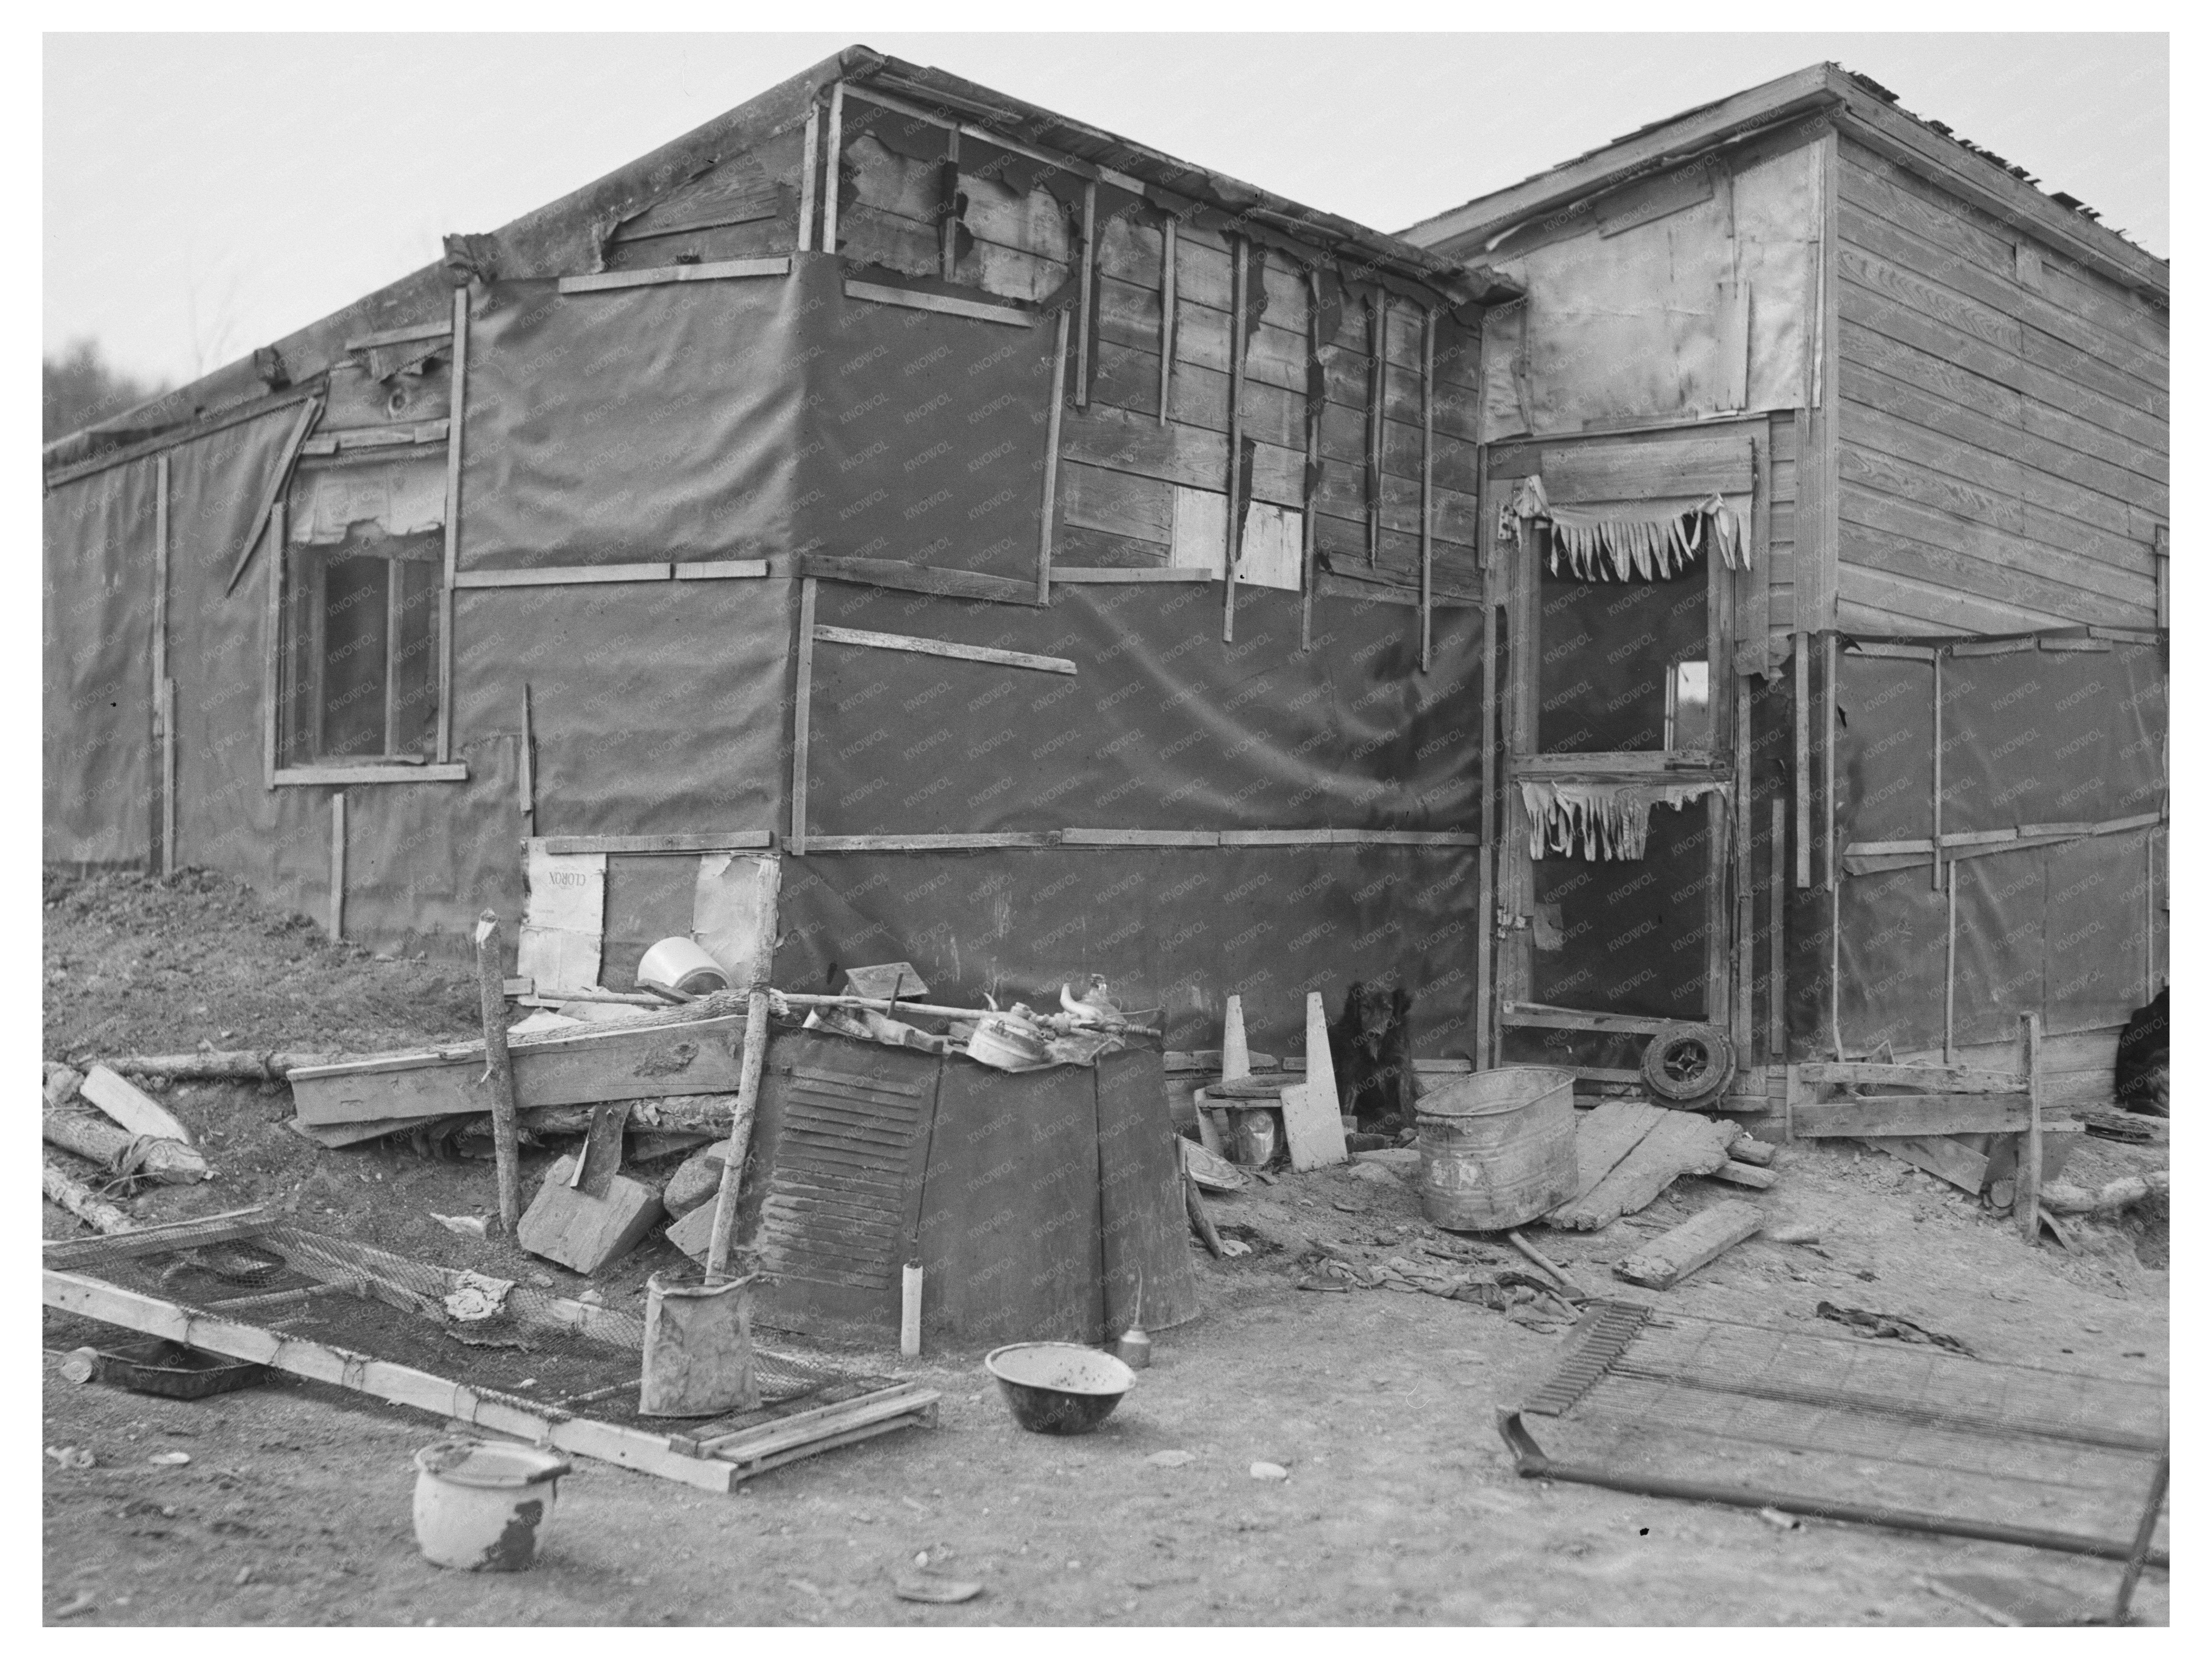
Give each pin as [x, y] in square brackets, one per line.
[207, 193]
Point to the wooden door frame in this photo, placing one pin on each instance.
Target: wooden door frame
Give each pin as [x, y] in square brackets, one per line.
[1518, 585]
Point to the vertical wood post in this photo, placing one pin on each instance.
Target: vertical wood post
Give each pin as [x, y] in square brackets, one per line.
[2027, 1181]
[1308, 541]
[1233, 542]
[168, 777]
[1935, 810]
[1167, 312]
[1378, 339]
[1800, 676]
[741, 1133]
[2150, 916]
[1428, 490]
[453, 420]
[337, 865]
[1828, 871]
[802, 698]
[1485, 931]
[1745, 968]
[1085, 289]
[948, 239]
[272, 629]
[394, 591]
[1050, 508]
[1778, 893]
[1950, 961]
[810, 163]
[526, 780]
[832, 162]
[491, 998]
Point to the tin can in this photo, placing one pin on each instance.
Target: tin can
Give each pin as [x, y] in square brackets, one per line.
[1133, 1349]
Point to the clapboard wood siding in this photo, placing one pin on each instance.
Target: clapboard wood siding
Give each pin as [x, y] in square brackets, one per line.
[2002, 447]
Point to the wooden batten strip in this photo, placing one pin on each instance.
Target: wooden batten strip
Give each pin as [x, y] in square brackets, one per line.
[878, 293]
[1801, 673]
[526, 769]
[828, 635]
[2040, 835]
[1109, 574]
[272, 655]
[1428, 472]
[713, 570]
[1935, 770]
[933, 843]
[266, 514]
[1048, 508]
[1378, 329]
[918, 578]
[2136, 636]
[161, 443]
[337, 919]
[1894, 648]
[337, 776]
[1309, 531]
[1575, 1020]
[564, 576]
[709, 841]
[456, 418]
[1083, 302]
[1232, 552]
[810, 163]
[1777, 909]
[1140, 838]
[353, 440]
[833, 155]
[803, 695]
[600, 282]
[390, 336]
[1990, 648]
[1167, 312]
[969, 129]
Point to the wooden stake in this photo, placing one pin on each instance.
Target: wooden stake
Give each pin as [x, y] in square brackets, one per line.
[741, 1133]
[2027, 1181]
[802, 697]
[491, 998]
[1050, 509]
[1235, 1057]
[337, 865]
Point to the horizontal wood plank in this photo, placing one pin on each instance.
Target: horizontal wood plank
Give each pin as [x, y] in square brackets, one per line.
[565, 575]
[919, 578]
[944, 304]
[861, 636]
[705, 840]
[338, 775]
[1910, 1114]
[720, 270]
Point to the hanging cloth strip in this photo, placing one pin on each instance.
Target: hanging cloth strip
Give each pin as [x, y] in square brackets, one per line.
[1593, 549]
[1599, 820]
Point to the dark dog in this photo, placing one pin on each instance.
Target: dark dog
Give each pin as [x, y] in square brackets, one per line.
[1371, 1046]
[2140, 1078]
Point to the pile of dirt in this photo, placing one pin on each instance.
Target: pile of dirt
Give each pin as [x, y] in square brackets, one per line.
[135, 963]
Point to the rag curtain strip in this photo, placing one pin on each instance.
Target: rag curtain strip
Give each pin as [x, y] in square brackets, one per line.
[1592, 549]
[1599, 820]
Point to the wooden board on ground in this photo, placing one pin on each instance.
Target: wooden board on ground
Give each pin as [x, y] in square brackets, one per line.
[642, 1449]
[1666, 1261]
[1910, 1114]
[1680, 1144]
[583, 1233]
[130, 1106]
[1605, 1137]
[614, 1062]
[1951, 1160]
[1313, 1127]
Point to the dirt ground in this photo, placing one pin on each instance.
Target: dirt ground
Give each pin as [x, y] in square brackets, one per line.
[1401, 1505]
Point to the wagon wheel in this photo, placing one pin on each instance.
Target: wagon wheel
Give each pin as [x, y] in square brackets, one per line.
[1688, 1065]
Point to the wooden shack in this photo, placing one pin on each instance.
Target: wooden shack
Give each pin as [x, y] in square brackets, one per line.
[1913, 737]
[817, 536]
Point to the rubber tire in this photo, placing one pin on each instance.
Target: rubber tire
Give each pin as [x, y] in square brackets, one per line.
[1688, 1063]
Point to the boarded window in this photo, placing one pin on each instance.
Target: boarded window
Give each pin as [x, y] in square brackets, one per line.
[1274, 538]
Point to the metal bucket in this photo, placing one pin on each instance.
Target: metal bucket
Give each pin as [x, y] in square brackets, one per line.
[698, 1346]
[1498, 1148]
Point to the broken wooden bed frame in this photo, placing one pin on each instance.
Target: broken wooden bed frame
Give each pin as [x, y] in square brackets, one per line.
[715, 1456]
